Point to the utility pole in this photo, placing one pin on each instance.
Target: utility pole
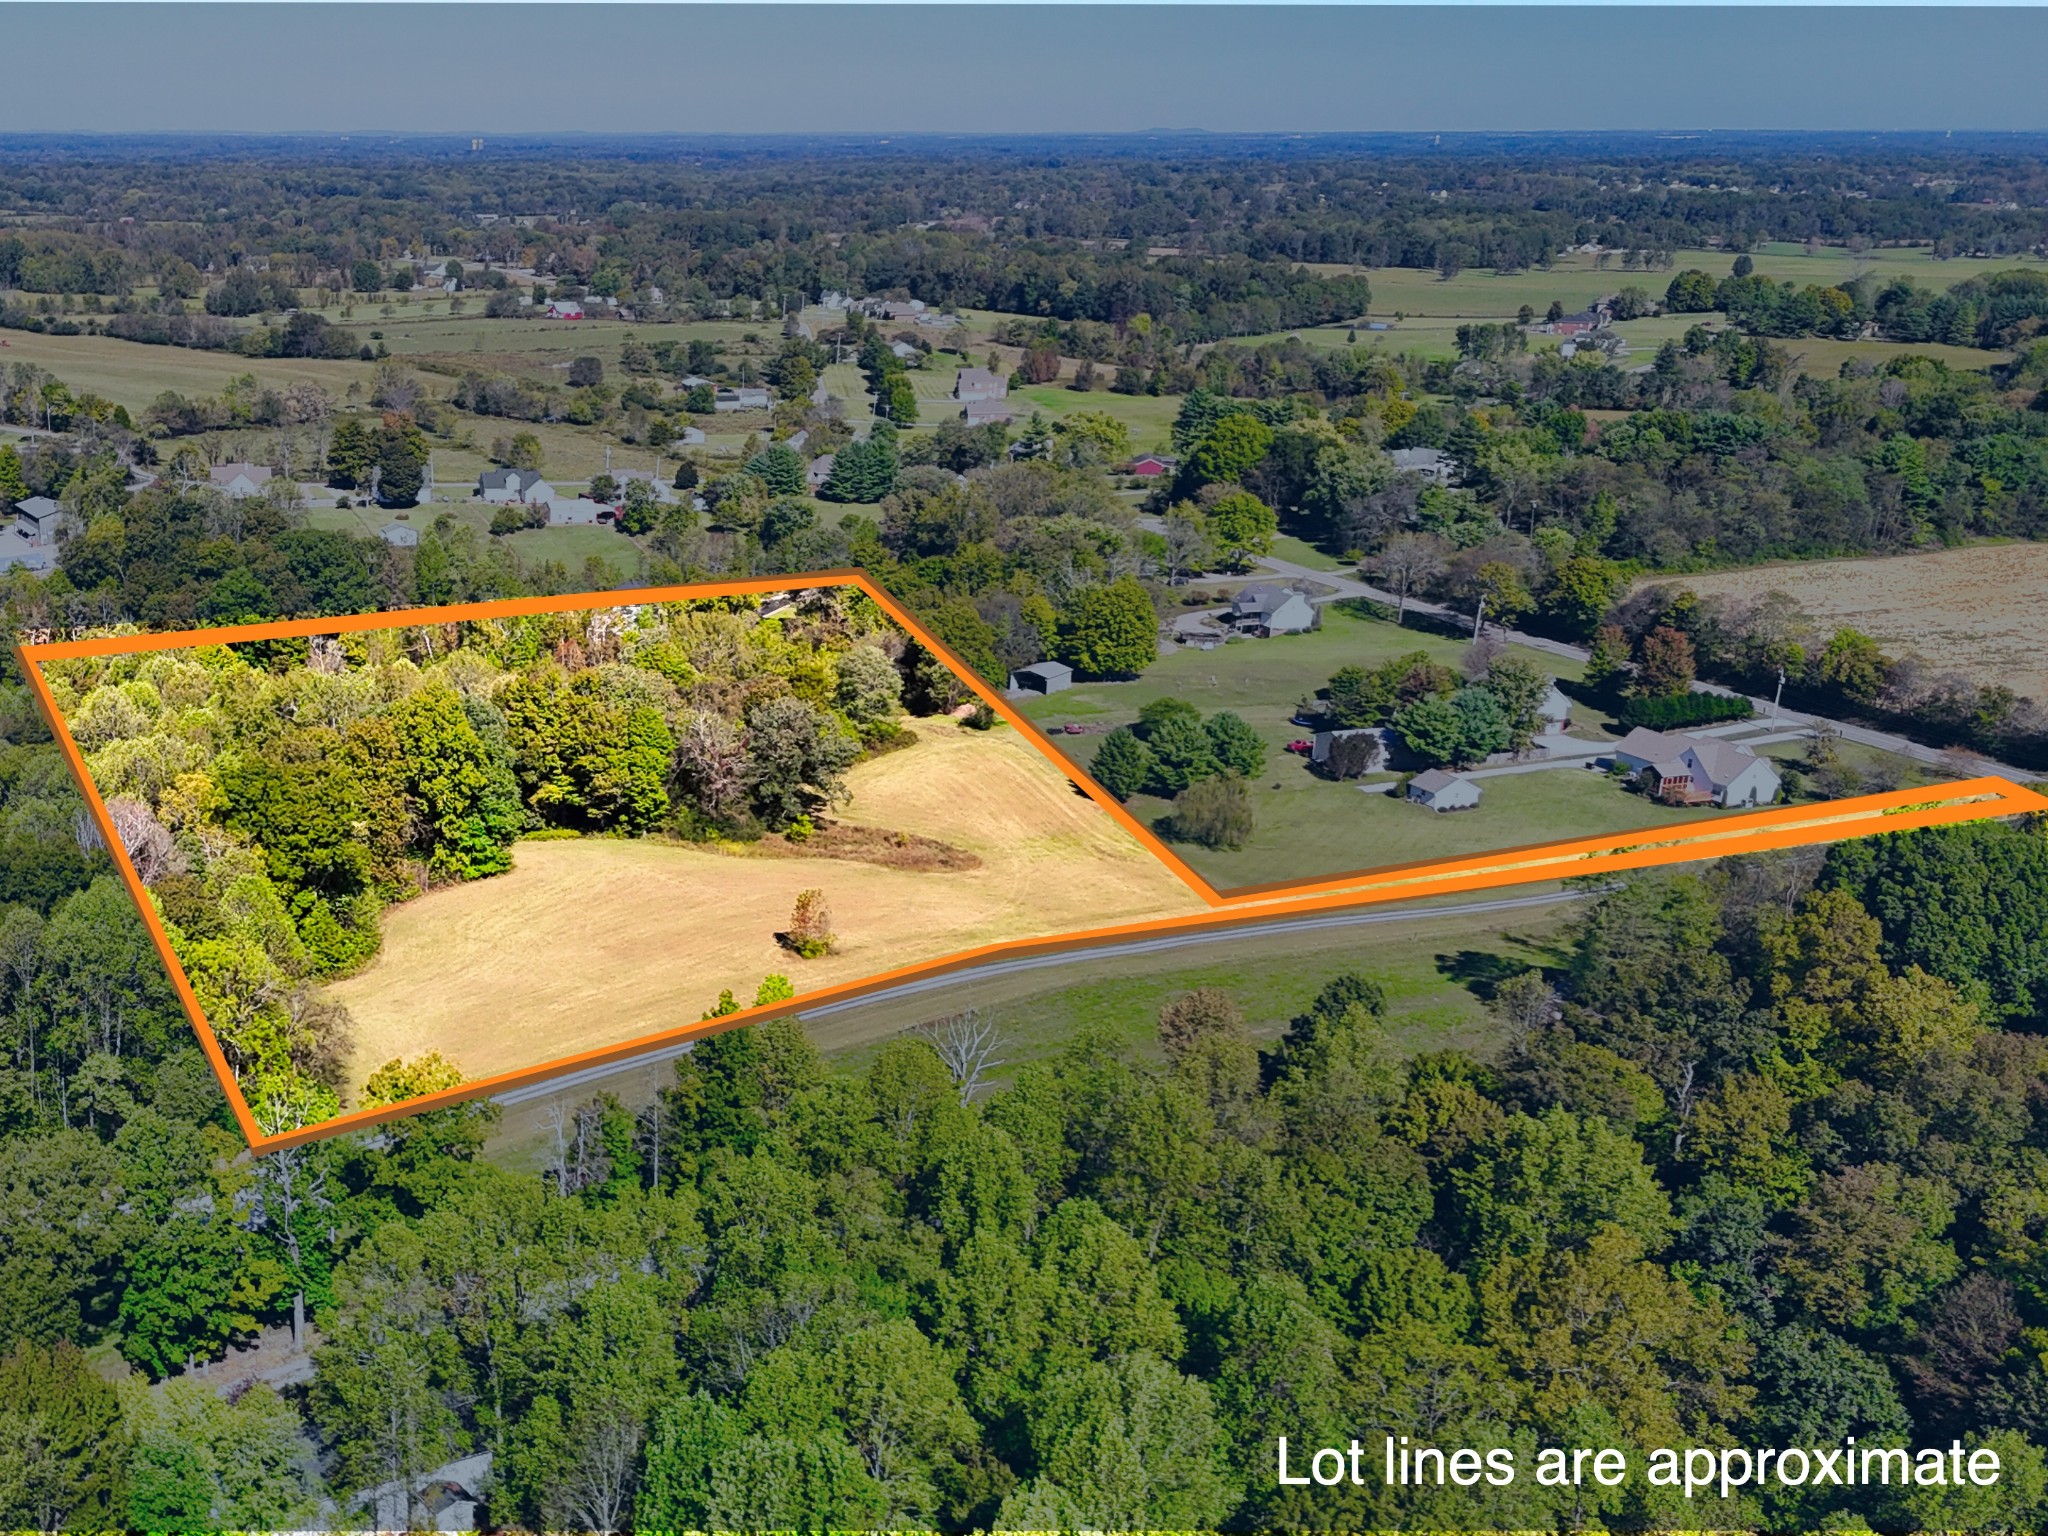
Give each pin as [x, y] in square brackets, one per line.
[1479, 619]
[1779, 694]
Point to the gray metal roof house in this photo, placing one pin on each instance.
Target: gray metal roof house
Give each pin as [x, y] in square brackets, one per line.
[1269, 608]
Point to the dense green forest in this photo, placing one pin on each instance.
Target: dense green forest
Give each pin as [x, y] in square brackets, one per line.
[1756, 1159]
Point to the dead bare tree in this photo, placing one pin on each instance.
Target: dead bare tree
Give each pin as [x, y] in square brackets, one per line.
[598, 1493]
[966, 1043]
[148, 844]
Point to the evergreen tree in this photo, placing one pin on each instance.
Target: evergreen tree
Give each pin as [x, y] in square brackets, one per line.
[1123, 764]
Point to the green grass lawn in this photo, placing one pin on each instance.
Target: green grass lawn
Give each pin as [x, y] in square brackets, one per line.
[1309, 826]
[1263, 680]
[1435, 970]
[572, 546]
[1287, 547]
[1149, 417]
[131, 374]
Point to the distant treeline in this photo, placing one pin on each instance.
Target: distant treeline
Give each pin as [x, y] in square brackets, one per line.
[1205, 240]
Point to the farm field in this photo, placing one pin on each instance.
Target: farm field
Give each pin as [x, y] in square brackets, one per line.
[131, 374]
[1149, 417]
[424, 329]
[1976, 610]
[617, 939]
[1575, 280]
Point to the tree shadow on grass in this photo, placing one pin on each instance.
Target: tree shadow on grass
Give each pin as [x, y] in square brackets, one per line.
[1479, 971]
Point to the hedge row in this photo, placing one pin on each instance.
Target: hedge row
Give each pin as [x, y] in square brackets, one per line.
[1684, 709]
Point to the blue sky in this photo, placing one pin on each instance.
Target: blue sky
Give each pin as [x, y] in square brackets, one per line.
[487, 68]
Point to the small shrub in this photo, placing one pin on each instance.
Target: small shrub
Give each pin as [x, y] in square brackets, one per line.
[981, 719]
[1215, 812]
[800, 830]
[810, 926]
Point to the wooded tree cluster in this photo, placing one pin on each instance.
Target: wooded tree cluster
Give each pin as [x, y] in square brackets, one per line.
[276, 797]
[1753, 1159]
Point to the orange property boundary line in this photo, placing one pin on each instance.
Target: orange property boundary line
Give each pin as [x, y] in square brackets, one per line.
[1898, 811]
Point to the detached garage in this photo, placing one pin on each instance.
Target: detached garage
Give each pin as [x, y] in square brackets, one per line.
[1442, 791]
[1042, 677]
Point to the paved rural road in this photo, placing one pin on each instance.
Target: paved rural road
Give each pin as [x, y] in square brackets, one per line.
[1358, 919]
[1864, 735]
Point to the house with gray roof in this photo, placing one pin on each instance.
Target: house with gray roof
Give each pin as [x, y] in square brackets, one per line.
[1442, 790]
[1267, 608]
[979, 384]
[1433, 464]
[981, 413]
[500, 486]
[36, 520]
[1683, 769]
[1042, 677]
[239, 480]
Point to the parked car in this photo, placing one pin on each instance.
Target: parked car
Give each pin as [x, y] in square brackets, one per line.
[1303, 747]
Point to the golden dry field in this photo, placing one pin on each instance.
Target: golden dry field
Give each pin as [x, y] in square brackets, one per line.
[1974, 610]
[592, 942]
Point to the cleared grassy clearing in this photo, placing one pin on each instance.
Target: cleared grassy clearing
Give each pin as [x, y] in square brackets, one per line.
[588, 943]
[1149, 417]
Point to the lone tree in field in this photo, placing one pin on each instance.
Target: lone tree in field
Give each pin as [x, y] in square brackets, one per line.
[810, 925]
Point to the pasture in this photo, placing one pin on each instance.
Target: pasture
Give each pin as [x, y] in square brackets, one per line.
[591, 942]
[1575, 280]
[131, 374]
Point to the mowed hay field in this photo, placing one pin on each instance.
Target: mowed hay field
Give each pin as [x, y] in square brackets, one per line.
[593, 942]
[1975, 610]
[131, 374]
